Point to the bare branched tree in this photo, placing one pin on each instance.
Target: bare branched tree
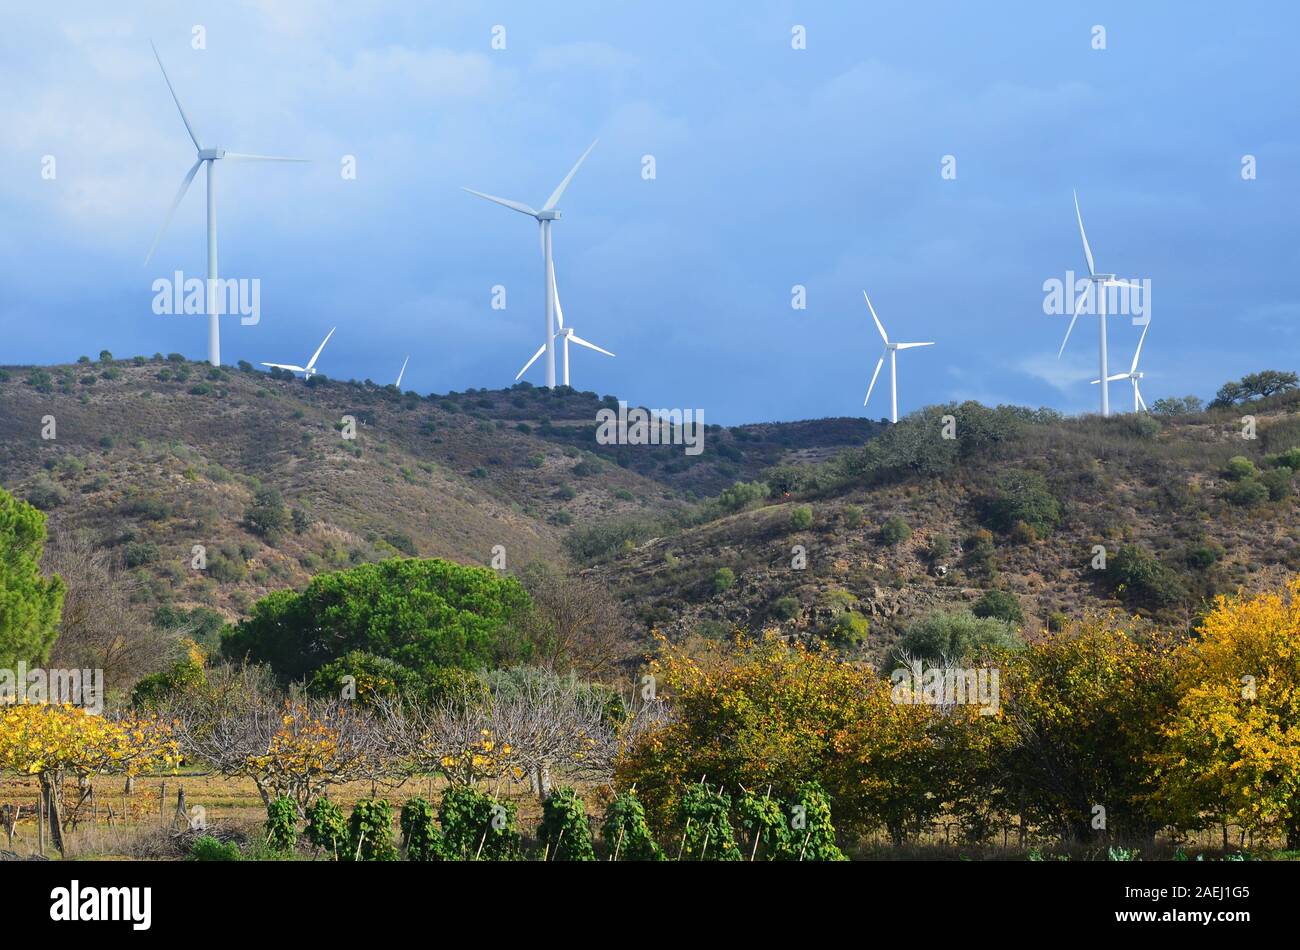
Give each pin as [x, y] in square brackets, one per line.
[101, 627]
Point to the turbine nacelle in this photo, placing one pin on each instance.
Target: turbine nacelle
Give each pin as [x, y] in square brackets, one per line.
[552, 215]
[211, 154]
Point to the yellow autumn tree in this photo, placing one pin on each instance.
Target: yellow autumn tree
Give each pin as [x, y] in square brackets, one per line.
[1233, 750]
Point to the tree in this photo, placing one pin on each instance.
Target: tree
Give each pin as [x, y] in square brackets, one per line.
[267, 516]
[30, 605]
[419, 613]
[1022, 497]
[1233, 752]
[1252, 386]
[575, 622]
[1084, 713]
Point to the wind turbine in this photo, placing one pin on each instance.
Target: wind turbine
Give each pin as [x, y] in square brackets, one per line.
[565, 332]
[210, 157]
[309, 370]
[891, 350]
[1099, 284]
[402, 372]
[1139, 404]
[544, 217]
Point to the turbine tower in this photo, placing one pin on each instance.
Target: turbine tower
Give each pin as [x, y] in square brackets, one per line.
[565, 332]
[1099, 284]
[210, 157]
[1139, 404]
[309, 370]
[891, 350]
[544, 217]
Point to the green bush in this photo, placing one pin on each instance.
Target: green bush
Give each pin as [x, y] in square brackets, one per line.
[853, 516]
[956, 635]
[626, 832]
[786, 608]
[1277, 481]
[742, 495]
[327, 829]
[282, 824]
[848, 628]
[801, 518]
[1288, 459]
[764, 831]
[370, 832]
[208, 848]
[30, 604]
[564, 834]
[267, 516]
[1022, 497]
[1000, 605]
[477, 827]
[723, 579]
[1239, 467]
[1246, 493]
[894, 531]
[420, 836]
[1139, 576]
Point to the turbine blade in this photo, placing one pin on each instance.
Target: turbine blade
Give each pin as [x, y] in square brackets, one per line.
[244, 157]
[1138, 351]
[1122, 283]
[185, 186]
[194, 137]
[1087, 251]
[1137, 392]
[591, 346]
[1117, 377]
[1068, 331]
[908, 346]
[513, 205]
[552, 201]
[879, 363]
[288, 366]
[555, 295]
[883, 335]
[540, 350]
[402, 372]
[1096, 382]
[312, 362]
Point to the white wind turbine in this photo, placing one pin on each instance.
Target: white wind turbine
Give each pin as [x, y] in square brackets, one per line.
[402, 372]
[565, 332]
[309, 370]
[891, 350]
[1139, 404]
[1099, 284]
[210, 156]
[544, 217]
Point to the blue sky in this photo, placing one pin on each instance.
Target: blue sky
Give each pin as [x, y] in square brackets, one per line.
[775, 167]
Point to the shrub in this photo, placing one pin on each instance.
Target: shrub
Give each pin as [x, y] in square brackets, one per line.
[853, 516]
[477, 827]
[1022, 497]
[801, 518]
[420, 836]
[1139, 575]
[956, 635]
[281, 824]
[30, 604]
[940, 547]
[267, 517]
[848, 628]
[1246, 493]
[742, 495]
[1000, 605]
[1288, 459]
[46, 495]
[326, 827]
[626, 832]
[786, 608]
[1277, 481]
[370, 832]
[564, 833]
[723, 579]
[1239, 467]
[894, 531]
[208, 848]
